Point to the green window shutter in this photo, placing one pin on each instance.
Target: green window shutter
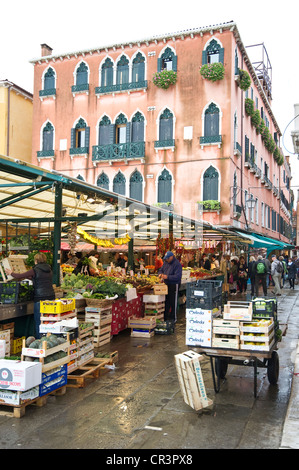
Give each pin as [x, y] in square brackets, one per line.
[87, 134]
[221, 55]
[210, 184]
[175, 63]
[73, 138]
[164, 187]
[159, 68]
[112, 134]
[204, 57]
[246, 146]
[128, 132]
[136, 182]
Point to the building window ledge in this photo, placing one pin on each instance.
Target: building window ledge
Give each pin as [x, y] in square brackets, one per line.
[45, 154]
[165, 145]
[211, 140]
[79, 89]
[51, 93]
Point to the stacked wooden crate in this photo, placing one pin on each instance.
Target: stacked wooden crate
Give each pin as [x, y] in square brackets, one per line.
[154, 305]
[85, 342]
[257, 334]
[142, 327]
[101, 317]
[226, 333]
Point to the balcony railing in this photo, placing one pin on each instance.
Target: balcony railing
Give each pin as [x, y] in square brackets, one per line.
[46, 93]
[164, 143]
[132, 86]
[45, 153]
[130, 150]
[210, 139]
[79, 151]
[84, 87]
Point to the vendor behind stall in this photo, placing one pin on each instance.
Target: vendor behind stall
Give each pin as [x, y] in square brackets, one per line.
[41, 275]
[171, 273]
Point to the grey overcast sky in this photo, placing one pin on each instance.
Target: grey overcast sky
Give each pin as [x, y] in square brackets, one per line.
[68, 26]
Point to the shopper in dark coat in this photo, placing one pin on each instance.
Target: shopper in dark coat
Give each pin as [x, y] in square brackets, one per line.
[41, 275]
[171, 273]
[292, 271]
[251, 274]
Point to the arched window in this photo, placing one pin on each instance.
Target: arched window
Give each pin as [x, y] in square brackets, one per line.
[103, 181]
[121, 129]
[166, 125]
[49, 79]
[136, 184]
[138, 69]
[122, 71]
[165, 186]
[80, 138]
[80, 177]
[82, 74]
[213, 53]
[137, 128]
[104, 131]
[48, 137]
[107, 73]
[119, 184]
[210, 184]
[167, 61]
[211, 124]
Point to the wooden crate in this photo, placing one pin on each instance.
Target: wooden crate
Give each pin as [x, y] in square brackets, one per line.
[138, 333]
[218, 341]
[142, 323]
[235, 310]
[256, 327]
[229, 327]
[257, 345]
[160, 289]
[191, 380]
[98, 319]
[102, 336]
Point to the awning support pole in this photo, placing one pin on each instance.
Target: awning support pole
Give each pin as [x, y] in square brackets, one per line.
[57, 234]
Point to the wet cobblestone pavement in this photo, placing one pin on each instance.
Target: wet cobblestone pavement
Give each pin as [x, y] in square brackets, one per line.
[143, 390]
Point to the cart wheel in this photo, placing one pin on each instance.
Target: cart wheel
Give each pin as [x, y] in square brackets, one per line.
[273, 368]
[221, 367]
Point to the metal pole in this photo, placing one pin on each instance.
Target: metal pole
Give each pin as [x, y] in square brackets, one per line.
[57, 234]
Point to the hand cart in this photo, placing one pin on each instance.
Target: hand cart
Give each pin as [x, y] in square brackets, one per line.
[220, 358]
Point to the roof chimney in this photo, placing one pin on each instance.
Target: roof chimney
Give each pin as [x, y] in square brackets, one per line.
[46, 50]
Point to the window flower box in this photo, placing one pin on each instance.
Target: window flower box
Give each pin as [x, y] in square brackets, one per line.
[213, 72]
[165, 78]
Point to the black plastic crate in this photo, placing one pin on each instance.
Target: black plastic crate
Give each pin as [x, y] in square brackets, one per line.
[164, 327]
[264, 307]
[204, 294]
[26, 292]
[204, 303]
[9, 292]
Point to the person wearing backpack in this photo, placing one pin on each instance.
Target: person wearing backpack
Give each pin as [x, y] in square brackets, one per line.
[276, 272]
[259, 270]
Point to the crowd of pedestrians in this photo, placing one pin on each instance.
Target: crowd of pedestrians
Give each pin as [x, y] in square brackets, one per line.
[265, 274]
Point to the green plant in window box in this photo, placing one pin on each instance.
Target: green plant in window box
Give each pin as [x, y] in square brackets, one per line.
[212, 72]
[256, 119]
[165, 78]
[244, 80]
[249, 107]
[210, 205]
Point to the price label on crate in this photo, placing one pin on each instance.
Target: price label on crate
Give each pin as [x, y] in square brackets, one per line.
[199, 293]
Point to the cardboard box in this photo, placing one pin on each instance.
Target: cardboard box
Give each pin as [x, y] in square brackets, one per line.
[12, 397]
[19, 375]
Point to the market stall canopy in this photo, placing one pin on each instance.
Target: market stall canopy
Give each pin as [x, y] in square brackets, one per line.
[260, 241]
[31, 195]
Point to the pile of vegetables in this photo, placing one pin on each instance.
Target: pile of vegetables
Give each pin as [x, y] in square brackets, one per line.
[52, 341]
[95, 287]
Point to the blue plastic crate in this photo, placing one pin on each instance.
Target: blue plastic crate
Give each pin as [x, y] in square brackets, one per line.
[60, 378]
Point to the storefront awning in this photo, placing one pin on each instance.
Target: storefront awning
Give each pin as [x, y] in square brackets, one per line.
[260, 241]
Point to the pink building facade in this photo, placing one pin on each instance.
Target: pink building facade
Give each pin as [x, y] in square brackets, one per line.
[99, 116]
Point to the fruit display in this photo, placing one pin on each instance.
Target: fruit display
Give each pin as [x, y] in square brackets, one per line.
[201, 273]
